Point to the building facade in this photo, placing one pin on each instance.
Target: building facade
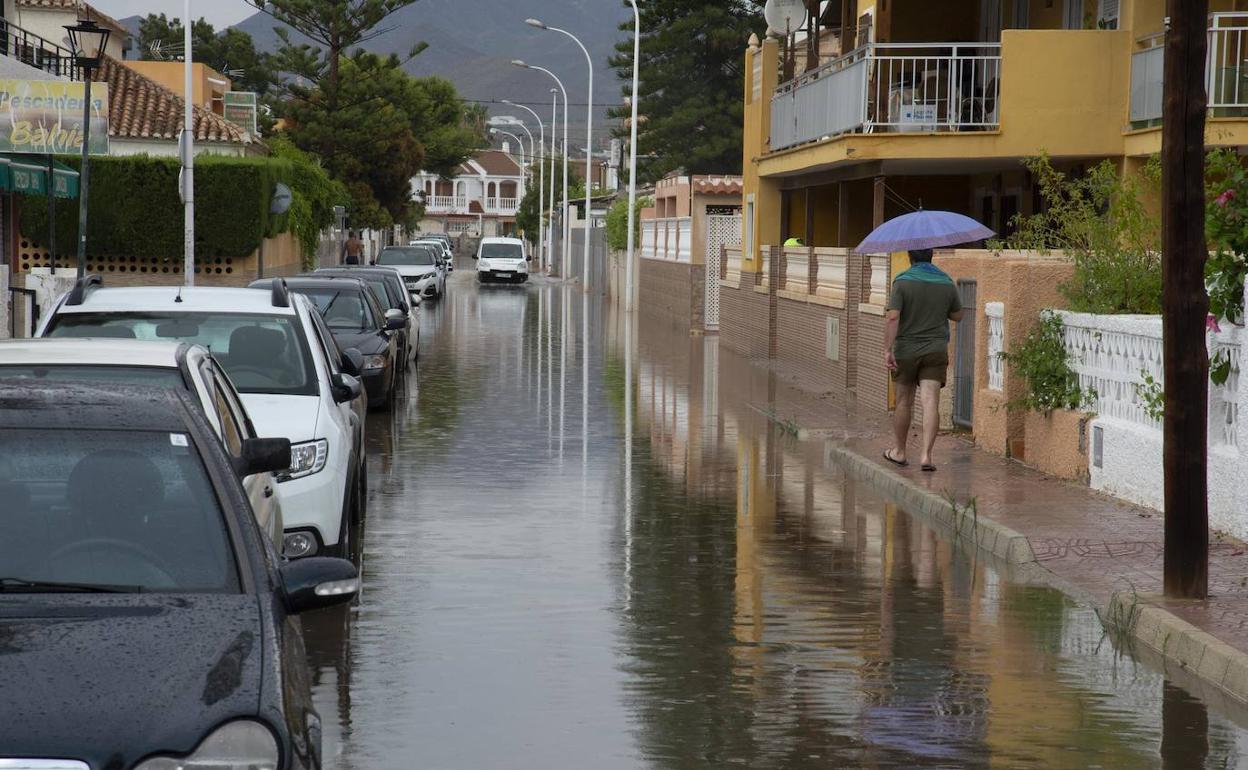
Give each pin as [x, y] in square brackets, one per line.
[481, 199]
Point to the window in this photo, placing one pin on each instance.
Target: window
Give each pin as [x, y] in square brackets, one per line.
[120, 375]
[1107, 14]
[406, 256]
[344, 309]
[262, 354]
[1074, 14]
[502, 251]
[132, 510]
[749, 226]
[329, 348]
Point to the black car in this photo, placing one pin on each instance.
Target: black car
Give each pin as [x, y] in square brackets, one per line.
[146, 622]
[387, 284]
[356, 320]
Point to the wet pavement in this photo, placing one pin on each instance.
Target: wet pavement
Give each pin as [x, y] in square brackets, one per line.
[554, 579]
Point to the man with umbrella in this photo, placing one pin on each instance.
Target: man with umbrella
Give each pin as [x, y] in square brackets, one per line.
[923, 302]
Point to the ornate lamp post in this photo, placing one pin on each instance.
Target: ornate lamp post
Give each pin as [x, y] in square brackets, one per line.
[88, 41]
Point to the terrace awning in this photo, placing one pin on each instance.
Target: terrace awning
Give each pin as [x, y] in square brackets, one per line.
[28, 174]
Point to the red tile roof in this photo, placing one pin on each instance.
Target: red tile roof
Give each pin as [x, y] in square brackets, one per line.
[720, 185]
[497, 163]
[141, 108]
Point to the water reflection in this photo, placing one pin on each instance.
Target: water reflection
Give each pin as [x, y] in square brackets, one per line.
[698, 592]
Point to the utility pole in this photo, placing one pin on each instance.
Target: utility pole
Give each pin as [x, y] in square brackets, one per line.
[1185, 304]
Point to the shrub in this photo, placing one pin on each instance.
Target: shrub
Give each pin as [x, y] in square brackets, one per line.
[1042, 361]
[617, 222]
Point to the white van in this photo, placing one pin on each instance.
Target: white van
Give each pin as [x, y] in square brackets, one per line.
[502, 259]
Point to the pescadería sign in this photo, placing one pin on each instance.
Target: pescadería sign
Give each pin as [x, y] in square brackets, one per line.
[46, 116]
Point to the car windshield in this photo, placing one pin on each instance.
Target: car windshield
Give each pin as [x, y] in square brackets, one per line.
[261, 353]
[501, 251]
[122, 509]
[406, 256]
[155, 376]
[344, 309]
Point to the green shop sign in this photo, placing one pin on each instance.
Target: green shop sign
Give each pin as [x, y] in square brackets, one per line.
[44, 117]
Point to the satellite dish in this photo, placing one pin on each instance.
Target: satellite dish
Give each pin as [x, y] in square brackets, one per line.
[785, 16]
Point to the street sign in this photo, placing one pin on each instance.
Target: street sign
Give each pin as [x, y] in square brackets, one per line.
[241, 108]
[281, 199]
[42, 117]
[785, 16]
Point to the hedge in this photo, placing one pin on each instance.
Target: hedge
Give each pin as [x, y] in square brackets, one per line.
[135, 209]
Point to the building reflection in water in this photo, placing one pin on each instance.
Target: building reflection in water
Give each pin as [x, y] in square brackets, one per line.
[783, 615]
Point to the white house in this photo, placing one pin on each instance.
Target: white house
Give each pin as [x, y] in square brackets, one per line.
[47, 19]
[482, 198]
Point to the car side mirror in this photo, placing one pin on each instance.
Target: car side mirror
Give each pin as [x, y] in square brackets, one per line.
[263, 455]
[318, 582]
[476, 256]
[416, 302]
[352, 362]
[395, 320]
[346, 388]
[528, 259]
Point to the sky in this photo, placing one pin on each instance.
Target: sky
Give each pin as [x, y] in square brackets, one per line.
[221, 13]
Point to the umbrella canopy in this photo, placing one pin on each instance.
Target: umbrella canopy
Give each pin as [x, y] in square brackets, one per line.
[923, 230]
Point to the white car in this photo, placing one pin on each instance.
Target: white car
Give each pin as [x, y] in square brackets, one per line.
[448, 256]
[293, 380]
[172, 364]
[502, 259]
[421, 268]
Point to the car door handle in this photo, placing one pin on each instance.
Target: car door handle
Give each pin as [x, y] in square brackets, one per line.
[268, 491]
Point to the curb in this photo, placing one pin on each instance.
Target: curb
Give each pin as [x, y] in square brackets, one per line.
[1197, 654]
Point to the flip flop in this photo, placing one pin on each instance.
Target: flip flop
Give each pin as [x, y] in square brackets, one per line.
[888, 455]
[928, 468]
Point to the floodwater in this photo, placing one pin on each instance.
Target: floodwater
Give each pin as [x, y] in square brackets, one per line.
[562, 574]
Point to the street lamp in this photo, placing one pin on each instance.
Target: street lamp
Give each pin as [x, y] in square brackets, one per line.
[541, 184]
[534, 156]
[566, 224]
[519, 141]
[554, 124]
[634, 98]
[589, 141]
[88, 41]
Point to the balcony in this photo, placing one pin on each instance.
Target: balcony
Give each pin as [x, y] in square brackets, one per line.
[35, 51]
[1226, 70]
[447, 204]
[502, 205]
[891, 88]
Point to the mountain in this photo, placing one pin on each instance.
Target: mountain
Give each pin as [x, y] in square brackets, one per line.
[472, 43]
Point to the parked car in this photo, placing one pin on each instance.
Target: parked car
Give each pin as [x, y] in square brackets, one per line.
[420, 266]
[448, 255]
[293, 379]
[387, 284]
[502, 259]
[357, 321]
[116, 362]
[153, 620]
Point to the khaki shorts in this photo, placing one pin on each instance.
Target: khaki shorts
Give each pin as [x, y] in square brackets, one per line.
[930, 366]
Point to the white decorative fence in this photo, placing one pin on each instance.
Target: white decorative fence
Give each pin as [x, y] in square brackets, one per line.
[668, 239]
[995, 311]
[1111, 355]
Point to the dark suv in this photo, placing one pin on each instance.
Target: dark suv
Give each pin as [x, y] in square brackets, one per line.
[145, 619]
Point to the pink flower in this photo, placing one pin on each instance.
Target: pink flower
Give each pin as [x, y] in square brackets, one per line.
[1211, 323]
[1225, 198]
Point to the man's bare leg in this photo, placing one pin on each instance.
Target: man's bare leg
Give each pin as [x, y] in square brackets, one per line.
[902, 417]
[929, 391]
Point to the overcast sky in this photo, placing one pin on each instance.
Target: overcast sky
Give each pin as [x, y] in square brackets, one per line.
[221, 13]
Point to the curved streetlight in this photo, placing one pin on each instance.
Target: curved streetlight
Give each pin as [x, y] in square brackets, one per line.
[564, 91]
[629, 302]
[541, 184]
[519, 141]
[550, 229]
[589, 142]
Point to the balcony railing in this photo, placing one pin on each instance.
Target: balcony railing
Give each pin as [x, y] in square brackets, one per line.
[447, 203]
[891, 87]
[1226, 70]
[35, 51]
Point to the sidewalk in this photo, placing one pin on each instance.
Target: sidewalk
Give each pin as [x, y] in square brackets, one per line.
[1095, 547]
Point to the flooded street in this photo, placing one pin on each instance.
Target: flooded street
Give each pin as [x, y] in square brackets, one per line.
[542, 593]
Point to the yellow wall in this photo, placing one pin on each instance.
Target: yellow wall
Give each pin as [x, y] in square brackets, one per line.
[170, 75]
[755, 136]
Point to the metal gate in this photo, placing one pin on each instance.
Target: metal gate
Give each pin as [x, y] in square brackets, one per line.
[964, 359]
[721, 230]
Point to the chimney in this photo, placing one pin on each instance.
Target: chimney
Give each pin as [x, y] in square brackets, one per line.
[506, 146]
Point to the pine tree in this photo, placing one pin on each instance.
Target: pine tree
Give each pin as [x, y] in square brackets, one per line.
[692, 80]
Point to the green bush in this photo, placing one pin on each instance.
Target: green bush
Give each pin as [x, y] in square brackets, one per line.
[617, 222]
[1042, 361]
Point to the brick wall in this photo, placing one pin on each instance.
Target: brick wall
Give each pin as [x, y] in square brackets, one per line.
[801, 337]
[872, 378]
[743, 318]
[674, 292]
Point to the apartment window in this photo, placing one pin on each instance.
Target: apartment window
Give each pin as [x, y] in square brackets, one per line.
[1074, 14]
[749, 227]
[1107, 14]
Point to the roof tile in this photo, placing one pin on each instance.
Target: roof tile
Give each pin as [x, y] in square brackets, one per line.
[141, 108]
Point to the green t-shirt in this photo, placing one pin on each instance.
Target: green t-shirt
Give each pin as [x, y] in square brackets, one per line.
[925, 309]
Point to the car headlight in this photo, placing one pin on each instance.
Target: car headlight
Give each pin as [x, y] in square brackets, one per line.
[306, 458]
[243, 745]
[375, 362]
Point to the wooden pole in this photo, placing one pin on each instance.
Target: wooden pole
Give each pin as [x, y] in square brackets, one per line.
[1185, 303]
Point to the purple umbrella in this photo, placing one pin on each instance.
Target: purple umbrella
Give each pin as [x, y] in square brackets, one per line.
[923, 230]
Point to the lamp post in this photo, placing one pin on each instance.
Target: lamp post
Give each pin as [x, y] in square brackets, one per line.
[589, 142]
[188, 148]
[629, 302]
[564, 91]
[550, 229]
[519, 141]
[88, 41]
[541, 184]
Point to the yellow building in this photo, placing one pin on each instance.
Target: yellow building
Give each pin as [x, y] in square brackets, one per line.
[936, 104]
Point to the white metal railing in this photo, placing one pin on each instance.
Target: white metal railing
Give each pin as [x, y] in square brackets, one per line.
[995, 311]
[1226, 69]
[508, 205]
[896, 87]
[447, 202]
